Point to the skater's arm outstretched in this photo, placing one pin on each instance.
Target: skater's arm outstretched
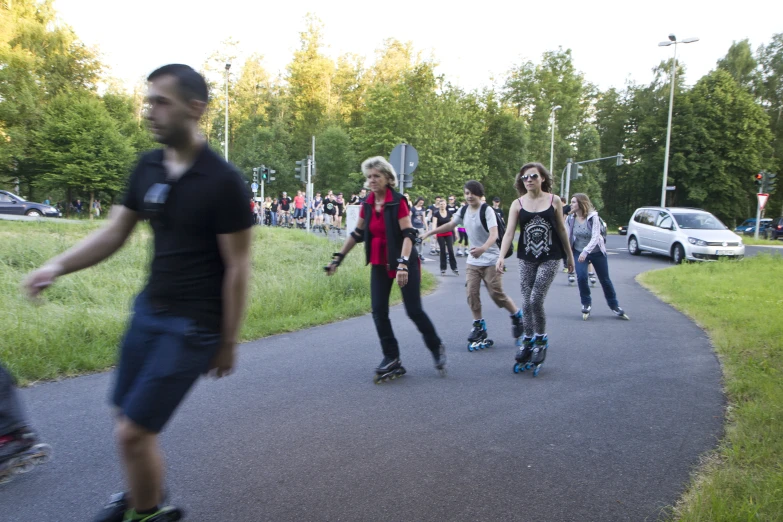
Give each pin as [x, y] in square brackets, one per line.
[91, 251]
[448, 227]
[508, 237]
[350, 242]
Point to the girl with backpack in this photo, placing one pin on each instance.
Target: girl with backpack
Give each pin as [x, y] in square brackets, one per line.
[587, 237]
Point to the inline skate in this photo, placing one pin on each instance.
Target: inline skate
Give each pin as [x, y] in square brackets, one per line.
[586, 312]
[20, 452]
[477, 339]
[620, 313]
[532, 354]
[571, 280]
[517, 328]
[591, 278]
[439, 357]
[389, 369]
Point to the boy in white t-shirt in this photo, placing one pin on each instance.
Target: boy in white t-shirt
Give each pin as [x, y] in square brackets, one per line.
[481, 261]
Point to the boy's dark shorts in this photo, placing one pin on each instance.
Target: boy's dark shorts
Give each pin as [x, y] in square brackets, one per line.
[161, 357]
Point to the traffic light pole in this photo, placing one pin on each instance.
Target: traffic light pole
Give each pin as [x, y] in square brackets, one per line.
[758, 215]
[308, 190]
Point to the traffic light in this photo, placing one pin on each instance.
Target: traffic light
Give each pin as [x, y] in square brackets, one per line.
[265, 173]
[301, 170]
[576, 171]
[759, 180]
[769, 182]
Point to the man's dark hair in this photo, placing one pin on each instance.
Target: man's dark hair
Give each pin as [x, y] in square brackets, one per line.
[474, 187]
[496, 199]
[192, 85]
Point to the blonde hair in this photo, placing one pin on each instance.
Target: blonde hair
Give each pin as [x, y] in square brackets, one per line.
[584, 203]
[380, 164]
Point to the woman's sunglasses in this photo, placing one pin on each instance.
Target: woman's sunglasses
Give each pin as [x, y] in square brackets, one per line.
[526, 177]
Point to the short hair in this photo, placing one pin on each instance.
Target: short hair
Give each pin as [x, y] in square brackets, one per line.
[496, 199]
[192, 86]
[380, 164]
[546, 183]
[474, 187]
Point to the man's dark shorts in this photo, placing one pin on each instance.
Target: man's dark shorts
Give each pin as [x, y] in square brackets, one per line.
[161, 358]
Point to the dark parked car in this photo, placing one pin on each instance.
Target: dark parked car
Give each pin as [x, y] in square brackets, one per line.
[622, 230]
[748, 227]
[10, 203]
[775, 229]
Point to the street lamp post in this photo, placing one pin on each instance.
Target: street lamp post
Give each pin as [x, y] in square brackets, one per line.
[552, 147]
[225, 131]
[672, 40]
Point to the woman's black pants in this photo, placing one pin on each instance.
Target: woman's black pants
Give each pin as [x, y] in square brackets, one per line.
[447, 243]
[380, 290]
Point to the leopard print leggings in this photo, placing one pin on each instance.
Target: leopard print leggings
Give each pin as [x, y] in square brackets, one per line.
[535, 280]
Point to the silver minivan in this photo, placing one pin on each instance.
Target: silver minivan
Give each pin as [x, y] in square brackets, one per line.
[682, 233]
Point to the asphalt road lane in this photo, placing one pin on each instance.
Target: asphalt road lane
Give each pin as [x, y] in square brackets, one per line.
[609, 430]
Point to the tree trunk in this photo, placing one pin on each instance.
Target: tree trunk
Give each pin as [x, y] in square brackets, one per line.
[92, 200]
[68, 203]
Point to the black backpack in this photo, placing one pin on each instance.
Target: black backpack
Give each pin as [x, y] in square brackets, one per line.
[501, 225]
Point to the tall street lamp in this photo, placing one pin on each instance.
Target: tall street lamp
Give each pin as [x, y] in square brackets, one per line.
[225, 132]
[672, 40]
[552, 147]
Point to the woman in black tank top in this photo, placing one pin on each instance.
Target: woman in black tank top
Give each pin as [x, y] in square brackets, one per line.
[543, 241]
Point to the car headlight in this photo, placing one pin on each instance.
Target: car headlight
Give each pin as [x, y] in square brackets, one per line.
[696, 241]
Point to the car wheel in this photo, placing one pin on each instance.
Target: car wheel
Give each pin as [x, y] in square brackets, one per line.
[33, 213]
[633, 246]
[678, 254]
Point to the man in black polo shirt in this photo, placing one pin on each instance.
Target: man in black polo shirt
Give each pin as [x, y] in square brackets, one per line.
[186, 321]
[285, 209]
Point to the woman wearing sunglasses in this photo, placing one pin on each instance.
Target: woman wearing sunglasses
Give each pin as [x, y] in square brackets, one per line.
[543, 243]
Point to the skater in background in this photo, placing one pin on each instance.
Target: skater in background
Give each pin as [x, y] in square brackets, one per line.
[584, 235]
[462, 237]
[542, 242]
[186, 320]
[19, 444]
[481, 263]
[418, 220]
[384, 227]
[445, 239]
[430, 214]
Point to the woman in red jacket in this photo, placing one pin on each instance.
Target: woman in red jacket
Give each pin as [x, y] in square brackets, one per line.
[384, 227]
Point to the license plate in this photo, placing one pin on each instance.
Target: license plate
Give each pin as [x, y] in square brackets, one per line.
[724, 252]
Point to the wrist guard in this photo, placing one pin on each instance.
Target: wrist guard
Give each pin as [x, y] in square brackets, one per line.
[358, 235]
[411, 233]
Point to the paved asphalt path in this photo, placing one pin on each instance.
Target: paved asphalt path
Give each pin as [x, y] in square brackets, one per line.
[609, 430]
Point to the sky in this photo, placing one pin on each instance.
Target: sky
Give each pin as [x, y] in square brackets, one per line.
[475, 43]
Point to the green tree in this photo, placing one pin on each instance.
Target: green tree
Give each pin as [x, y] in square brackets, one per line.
[740, 64]
[770, 91]
[505, 143]
[335, 159]
[725, 140]
[79, 147]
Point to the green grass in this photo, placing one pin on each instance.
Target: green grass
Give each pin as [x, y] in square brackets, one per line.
[739, 305]
[748, 240]
[78, 326]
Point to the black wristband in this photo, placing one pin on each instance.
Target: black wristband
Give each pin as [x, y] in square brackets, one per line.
[402, 269]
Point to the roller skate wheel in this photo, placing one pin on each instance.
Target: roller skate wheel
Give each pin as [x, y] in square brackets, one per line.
[24, 465]
[585, 316]
[470, 347]
[42, 453]
[442, 372]
[490, 342]
[535, 372]
[516, 368]
[6, 476]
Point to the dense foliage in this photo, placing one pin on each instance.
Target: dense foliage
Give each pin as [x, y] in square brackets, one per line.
[726, 125]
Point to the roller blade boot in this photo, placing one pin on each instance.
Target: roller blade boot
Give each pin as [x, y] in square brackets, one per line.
[117, 507]
[477, 339]
[517, 329]
[524, 352]
[439, 357]
[537, 357]
[571, 280]
[20, 452]
[388, 370]
[592, 279]
[164, 514]
[620, 313]
[586, 312]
